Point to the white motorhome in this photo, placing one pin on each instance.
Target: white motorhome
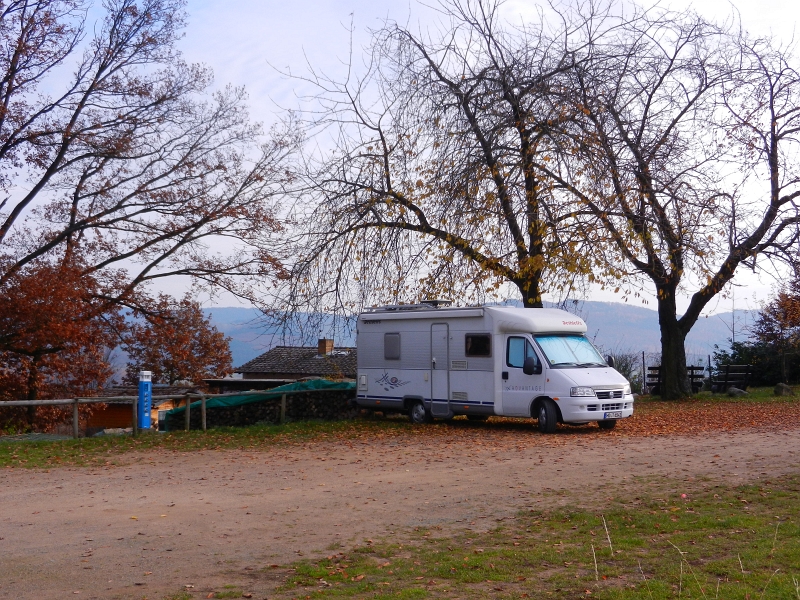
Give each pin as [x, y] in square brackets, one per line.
[434, 362]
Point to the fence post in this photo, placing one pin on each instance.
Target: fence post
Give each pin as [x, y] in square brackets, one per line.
[186, 415]
[75, 424]
[135, 407]
[644, 375]
[283, 408]
[203, 410]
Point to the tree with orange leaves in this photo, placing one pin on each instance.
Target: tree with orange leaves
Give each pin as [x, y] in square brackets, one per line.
[55, 336]
[119, 166]
[176, 342]
[778, 325]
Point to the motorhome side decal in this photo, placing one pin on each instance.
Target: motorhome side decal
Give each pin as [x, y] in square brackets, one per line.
[390, 383]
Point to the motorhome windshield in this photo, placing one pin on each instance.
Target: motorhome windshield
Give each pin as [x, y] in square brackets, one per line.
[569, 351]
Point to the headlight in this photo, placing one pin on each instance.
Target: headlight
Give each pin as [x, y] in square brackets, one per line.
[626, 391]
[581, 391]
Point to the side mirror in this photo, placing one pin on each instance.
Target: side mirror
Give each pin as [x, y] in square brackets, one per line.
[531, 367]
[610, 361]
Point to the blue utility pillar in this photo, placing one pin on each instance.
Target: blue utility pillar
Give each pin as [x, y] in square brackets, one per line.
[145, 398]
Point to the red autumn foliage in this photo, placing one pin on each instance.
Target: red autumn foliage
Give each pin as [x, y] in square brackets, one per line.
[779, 321]
[55, 336]
[176, 342]
[118, 161]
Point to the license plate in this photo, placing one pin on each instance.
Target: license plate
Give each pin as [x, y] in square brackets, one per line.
[613, 415]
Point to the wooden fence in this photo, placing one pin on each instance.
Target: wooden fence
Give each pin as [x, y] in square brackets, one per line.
[75, 402]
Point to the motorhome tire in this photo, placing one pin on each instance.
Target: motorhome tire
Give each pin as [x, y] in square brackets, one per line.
[417, 413]
[477, 417]
[548, 416]
[607, 424]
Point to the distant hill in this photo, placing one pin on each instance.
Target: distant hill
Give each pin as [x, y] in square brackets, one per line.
[246, 328]
[613, 326]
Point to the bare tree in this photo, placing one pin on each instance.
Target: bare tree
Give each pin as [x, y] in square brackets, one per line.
[686, 153]
[431, 188]
[132, 169]
[650, 147]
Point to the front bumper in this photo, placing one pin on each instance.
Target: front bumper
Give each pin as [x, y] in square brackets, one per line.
[582, 410]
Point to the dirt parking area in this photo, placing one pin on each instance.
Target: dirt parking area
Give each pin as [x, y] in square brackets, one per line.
[161, 523]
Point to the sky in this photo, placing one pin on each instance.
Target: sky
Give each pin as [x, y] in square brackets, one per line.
[253, 43]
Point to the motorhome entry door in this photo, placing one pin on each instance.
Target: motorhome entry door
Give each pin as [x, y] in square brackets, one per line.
[440, 370]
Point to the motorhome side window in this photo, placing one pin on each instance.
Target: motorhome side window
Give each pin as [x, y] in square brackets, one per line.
[391, 346]
[517, 351]
[478, 344]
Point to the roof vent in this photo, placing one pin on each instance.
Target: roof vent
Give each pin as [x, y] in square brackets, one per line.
[437, 303]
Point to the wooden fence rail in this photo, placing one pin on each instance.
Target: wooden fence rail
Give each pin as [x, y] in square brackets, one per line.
[74, 402]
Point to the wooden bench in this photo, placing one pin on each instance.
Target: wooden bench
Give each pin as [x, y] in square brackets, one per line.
[729, 376]
[654, 381]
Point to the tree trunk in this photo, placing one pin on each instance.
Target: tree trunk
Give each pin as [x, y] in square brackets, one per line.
[531, 294]
[674, 378]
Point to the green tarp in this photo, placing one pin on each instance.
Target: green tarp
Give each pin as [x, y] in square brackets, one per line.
[252, 397]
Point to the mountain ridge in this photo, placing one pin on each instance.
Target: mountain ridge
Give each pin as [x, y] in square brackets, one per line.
[613, 326]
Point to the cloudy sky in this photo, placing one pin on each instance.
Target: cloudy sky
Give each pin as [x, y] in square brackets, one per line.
[249, 43]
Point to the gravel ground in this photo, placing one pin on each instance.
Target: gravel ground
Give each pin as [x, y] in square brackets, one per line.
[163, 521]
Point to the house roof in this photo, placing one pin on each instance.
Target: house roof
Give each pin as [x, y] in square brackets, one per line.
[129, 390]
[304, 361]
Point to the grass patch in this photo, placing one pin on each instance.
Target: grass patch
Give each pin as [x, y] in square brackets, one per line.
[734, 543]
[180, 596]
[229, 591]
[109, 450]
[698, 415]
[758, 395]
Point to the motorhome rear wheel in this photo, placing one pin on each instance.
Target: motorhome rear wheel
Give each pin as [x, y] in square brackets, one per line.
[417, 414]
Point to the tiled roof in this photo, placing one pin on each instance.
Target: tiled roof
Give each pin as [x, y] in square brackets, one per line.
[126, 390]
[304, 361]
